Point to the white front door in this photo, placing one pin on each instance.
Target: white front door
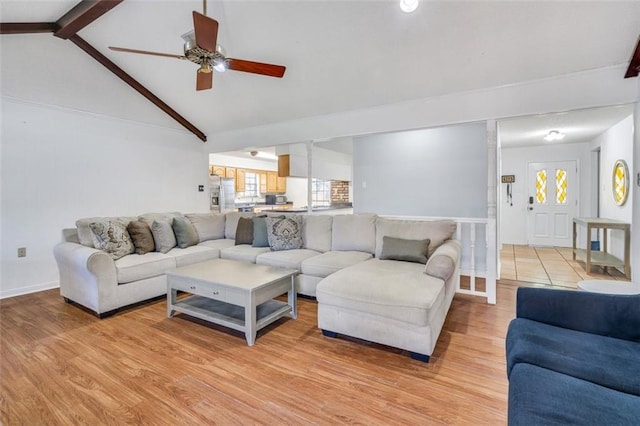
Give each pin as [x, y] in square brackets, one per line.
[552, 203]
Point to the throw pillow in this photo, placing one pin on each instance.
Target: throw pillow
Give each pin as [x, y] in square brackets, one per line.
[163, 236]
[260, 237]
[284, 233]
[140, 233]
[209, 226]
[244, 231]
[405, 250]
[186, 235]
[112, 237]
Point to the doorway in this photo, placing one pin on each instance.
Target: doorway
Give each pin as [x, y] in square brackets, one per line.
[553, 202]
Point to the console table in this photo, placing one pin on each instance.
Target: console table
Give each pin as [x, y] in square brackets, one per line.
[602, 258]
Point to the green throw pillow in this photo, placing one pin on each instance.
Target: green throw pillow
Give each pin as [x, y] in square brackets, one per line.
[260, 238]
[405, 250]
[186, 235]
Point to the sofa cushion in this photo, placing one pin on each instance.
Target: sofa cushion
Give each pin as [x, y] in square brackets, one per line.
[404, 250]
[209, 226]
[443, 261]
[141, 236]
[284, 233]
[437, 231]
[316, 232]
[138, 267]
[538, 396]
[327, 263]
[163, 236]
[186, 235]
[290, 259]
[244, 231]
[218, 244]
[385, 288]
[149, 218]
[84, 233]
[354, 233]
[193, 254]
[243, 253]
[603, 360]
[112, 237]
[231, 223]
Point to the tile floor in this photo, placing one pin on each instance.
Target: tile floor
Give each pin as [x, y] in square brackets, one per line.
[552, 266]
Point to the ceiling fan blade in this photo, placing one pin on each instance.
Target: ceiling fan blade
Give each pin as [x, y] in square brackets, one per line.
[206, 30]
[256, 67]
[204, 80]
[146, 52]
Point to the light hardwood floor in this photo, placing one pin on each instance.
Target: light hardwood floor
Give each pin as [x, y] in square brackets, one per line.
[60, 365]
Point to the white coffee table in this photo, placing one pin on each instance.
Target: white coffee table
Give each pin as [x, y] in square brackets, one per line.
[609, 286]
[234, 294]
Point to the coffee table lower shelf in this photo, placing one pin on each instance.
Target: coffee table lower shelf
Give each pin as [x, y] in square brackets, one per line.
[228, 315]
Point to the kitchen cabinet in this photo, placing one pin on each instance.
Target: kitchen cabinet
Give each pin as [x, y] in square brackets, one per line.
[281, 185]
[272, 182]
[230, 172]
[219, 170]
[283, 166]
[262, 177]
[240, 180]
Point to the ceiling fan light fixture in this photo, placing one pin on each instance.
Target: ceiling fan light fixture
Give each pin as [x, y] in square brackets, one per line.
[220, 65]
[205, 68]
[408, 6]
[554, 135]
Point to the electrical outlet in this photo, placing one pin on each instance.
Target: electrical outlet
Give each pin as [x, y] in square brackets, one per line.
[22, 252]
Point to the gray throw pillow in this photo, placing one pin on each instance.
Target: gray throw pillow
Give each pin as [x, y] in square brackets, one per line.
[186, 235]
[112, 237]
[244, 231]
[260, 237]
[405, 250]
[284, 233]
[163, 236]
[141, 236]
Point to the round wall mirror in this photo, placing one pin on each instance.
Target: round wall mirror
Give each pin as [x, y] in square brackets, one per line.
[620, 182]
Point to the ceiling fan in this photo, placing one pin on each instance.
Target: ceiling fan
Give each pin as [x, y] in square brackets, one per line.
[201, 48]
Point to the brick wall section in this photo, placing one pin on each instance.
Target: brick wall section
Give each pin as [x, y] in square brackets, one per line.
[339, 191]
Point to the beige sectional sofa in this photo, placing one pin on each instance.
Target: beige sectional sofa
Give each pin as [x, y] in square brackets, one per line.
[394, 302]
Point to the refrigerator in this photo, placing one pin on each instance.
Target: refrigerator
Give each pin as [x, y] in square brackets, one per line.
[223, 194]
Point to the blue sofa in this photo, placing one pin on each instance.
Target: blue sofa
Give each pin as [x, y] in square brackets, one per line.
[573, 358]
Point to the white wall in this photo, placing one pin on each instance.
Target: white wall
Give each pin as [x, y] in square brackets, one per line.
[615, 144]
[592, 88]
[515, 161]
[297, 191]
[326, 164]
[635, 184]
[60, 165]
[433, 172]
[243, 163]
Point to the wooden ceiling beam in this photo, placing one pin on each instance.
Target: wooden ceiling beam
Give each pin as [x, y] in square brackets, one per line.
[106, 62]
[634, 62]
[81, 15]
[27, 27]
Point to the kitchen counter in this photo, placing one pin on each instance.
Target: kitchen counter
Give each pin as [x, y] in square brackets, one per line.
[314, 209]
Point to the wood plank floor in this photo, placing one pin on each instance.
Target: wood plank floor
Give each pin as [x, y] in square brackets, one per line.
[60, 365]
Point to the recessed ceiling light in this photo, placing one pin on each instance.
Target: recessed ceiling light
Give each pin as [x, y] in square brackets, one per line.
[554, 135]
[408, 6]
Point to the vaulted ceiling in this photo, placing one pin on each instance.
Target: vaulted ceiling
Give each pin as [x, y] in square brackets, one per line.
[340, 55]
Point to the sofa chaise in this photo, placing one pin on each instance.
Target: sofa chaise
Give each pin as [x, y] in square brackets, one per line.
[362, 269]
[573, 358]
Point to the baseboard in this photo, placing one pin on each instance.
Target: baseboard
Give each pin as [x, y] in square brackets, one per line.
[30, 289]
